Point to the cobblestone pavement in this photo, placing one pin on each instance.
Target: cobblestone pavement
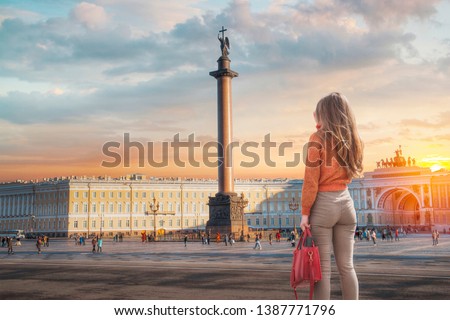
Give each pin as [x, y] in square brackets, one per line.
[409, 269]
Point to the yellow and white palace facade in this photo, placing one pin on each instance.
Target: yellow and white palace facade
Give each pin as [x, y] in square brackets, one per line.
[61, 207]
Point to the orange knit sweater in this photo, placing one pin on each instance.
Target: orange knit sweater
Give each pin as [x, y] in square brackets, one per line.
[322, 173]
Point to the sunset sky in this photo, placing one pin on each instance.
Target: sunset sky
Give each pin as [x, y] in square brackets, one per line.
[75, 75]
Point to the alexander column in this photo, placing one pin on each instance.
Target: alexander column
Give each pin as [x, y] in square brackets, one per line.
[226, 209]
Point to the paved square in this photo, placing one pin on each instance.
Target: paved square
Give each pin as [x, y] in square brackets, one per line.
[409, 269]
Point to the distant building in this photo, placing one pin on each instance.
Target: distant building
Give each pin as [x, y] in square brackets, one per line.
[396, 196]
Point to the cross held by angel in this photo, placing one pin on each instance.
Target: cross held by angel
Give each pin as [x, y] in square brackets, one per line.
[224, 42]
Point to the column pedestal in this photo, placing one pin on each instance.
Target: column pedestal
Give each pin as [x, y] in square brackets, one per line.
[226, 215]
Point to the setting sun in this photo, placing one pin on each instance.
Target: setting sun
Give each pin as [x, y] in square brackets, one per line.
[436, 167]
[435, 162]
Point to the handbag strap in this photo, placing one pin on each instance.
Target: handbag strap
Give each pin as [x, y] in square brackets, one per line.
[311, 276]
[307, 233]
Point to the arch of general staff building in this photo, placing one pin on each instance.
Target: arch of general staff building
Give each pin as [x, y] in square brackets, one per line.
[410, 196]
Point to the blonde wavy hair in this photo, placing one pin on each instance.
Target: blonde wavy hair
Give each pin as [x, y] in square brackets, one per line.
[338, 123]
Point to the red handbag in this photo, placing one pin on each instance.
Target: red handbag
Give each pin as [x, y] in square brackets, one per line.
[305, 264]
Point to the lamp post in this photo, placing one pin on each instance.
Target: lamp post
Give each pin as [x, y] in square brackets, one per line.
[241, 205]
[33, 221]
[154, 208]
[101, 224]
[293, 205]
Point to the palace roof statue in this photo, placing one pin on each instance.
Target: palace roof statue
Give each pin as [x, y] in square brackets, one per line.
[398, 161]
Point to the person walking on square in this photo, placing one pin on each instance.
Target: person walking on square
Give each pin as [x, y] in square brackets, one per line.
[217, 237]
[334, 156]
[257, 243]
[433, 237]
[225, 239]
[100, 245]
[94, 244]
[270, 238]
[230, 239]
[374, 237]
[185, 240]
[9, 241]
[278, 236]
[38, 244]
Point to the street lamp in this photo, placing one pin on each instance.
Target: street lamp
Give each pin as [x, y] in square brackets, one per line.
[154, 208]
[101, 224]
[293, 205]
[241, 205]
[33, 221]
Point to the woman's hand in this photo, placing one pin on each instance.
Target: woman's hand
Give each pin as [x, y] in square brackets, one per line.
[305, 222]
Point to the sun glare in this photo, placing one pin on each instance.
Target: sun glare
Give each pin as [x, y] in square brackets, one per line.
[436, 167]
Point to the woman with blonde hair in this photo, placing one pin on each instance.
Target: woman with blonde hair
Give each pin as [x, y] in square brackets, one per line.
[334, 156]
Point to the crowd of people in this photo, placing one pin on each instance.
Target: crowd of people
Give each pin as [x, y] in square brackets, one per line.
[388, 234]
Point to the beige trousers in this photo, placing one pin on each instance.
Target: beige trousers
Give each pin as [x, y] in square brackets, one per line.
[333, 223]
